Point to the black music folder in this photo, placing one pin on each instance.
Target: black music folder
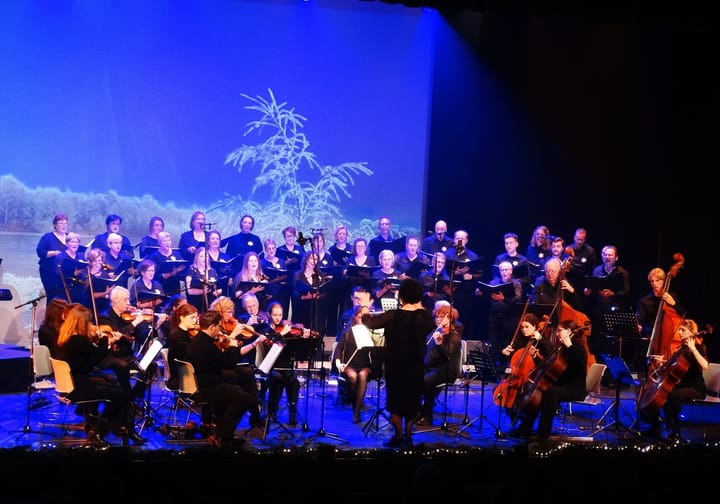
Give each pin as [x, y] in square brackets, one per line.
[227, 266]
[612, 282]
[361, 271]
[333, 271]
[437, 285]
[417, 267]
[276, 274]
[169, 265]
[286, 255]
[246, 286]
[340, 256]
[521, 271]
[388, 281]
[397, 245]
[151, 249]
[507, 289]
[103, 282]
[145, 296]
[475, 267]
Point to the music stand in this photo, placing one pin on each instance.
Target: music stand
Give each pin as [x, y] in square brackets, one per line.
[373, 423]
[621, 376]
[311, 351]
[485, 371]
[620, 324]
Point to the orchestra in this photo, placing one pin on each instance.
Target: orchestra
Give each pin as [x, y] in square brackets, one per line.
[130, 291]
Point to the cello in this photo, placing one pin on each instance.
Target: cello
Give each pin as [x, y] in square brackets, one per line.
[521, 365]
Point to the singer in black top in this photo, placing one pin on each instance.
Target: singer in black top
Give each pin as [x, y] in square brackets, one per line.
[438, 241]
[113, 223]
[245, 241]
[196, 237]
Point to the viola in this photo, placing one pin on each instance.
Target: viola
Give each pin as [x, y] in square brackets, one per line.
[228, 326]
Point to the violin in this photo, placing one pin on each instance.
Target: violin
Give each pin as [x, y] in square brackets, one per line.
[297, 331]
[131, 313]
[194, 330]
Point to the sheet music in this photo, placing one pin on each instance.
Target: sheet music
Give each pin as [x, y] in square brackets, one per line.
[269, 361]
[150, 355]
[362, 336]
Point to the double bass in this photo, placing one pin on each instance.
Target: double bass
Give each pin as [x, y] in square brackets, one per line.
[666, 320]
[567, 312]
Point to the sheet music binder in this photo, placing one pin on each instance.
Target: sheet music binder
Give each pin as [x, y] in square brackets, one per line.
[276, 274]
[397, 245]
[612, 282]
[170, 264]
[416, 268]
[361, 271]
[507, 289]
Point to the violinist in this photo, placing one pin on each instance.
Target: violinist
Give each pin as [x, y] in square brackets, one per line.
[282, 375]
[690, 386]
[185, 319]
[570, 356]
[246, 339]
[442, 359]
[122, 359]
[76, 346]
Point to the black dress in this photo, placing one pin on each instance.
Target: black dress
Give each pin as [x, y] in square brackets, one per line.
[405, 333]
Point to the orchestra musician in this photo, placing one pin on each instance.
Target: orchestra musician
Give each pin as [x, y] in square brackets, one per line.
[353, 365]
[282, 376]
[690, 386]
[647, 308]
[228, 401]
[246, 339]
[442, 359]
[567, 385]
[84, 350]
[127, 321]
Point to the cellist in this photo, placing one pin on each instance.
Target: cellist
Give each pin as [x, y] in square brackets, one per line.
[690, 386]
[561, 378]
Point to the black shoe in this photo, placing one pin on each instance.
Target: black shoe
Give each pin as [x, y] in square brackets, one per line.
[131, 435]
[519, 433]
[394, 442]
[96, 440]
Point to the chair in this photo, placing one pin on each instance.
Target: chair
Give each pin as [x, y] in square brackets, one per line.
[43, 379]
[712, 384]
[64, 386]
[456, 384]
[592, 399]
[187, 396]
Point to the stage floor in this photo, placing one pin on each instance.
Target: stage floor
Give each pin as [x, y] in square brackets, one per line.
[472, 435]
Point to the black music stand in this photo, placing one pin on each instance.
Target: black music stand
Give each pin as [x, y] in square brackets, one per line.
[621, 376]
[619, 324]
[373, 423]
[311, 351]
[485, 371]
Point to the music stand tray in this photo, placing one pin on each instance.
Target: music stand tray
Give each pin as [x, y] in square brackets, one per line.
[622, 324]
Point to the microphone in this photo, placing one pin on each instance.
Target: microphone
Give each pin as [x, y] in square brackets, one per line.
[210, 224]
[301, 240]
[316, 230]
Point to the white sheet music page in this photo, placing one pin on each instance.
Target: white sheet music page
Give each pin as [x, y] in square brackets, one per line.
[272, 355]
[362, 336]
